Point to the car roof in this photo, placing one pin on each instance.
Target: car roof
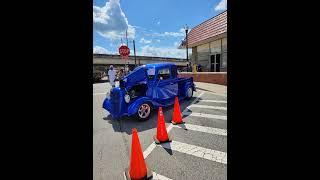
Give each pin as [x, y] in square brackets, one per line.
[160, 65]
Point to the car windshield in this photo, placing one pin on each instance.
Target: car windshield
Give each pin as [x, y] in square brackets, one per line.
[151, 71]
[135, 69]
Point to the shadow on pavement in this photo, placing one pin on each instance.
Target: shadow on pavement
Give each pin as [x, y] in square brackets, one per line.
[167, 147]
[100, 81]
[126, 124]
[182, 126]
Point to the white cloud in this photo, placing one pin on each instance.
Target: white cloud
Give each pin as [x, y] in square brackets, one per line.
[158, 22]
[167, 34]
[174, 34]
[158, 40]
[176, 44]
[110, 21]
[162, 52]
[100, 50]
[142, 40]
[221, 6]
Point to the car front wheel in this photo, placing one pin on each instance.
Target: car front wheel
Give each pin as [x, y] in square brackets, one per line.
[144, 112]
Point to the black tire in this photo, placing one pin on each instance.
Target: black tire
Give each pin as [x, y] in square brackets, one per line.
[141, 116]
[188, 95]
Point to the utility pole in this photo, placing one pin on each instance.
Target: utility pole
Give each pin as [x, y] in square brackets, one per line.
[186, 29]
[127, 38]
[134, 50]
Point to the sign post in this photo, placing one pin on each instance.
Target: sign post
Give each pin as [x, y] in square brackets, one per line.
[124, 51]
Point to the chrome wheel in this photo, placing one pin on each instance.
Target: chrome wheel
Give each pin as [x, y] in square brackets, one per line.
[144, 111]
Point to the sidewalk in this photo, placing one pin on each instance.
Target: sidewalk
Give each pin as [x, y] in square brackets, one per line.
[215, 88]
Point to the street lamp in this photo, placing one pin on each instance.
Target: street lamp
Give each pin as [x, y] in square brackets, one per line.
[187, 29]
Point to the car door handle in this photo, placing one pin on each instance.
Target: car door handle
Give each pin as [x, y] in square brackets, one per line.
[171, 83]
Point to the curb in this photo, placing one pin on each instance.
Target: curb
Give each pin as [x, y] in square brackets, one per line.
[211, 91]
[205, 89]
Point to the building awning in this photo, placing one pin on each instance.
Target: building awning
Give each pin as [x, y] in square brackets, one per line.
[209, 29]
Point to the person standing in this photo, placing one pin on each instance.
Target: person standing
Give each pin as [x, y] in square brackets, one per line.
[120, 74]
[111, 76]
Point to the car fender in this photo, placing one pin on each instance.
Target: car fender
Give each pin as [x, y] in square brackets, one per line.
[106, 104]
[133, 108]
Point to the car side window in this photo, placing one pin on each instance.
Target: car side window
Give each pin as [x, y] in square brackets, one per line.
[164, 73]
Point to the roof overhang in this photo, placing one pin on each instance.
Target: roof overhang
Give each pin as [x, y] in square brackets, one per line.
[214, 38]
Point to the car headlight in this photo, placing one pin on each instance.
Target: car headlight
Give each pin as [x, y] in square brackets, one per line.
[127, 98]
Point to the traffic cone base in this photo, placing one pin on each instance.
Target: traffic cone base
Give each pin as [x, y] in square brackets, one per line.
[147, 177]
[159, 142]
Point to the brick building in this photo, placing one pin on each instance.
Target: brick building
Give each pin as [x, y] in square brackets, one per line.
[208, 41]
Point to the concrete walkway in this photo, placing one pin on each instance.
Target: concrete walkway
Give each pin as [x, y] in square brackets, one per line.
[215, 88]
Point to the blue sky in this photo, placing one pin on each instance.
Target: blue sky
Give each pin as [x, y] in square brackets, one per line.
[155, 25]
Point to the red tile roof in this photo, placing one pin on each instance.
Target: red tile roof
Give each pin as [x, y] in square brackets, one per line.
[210, 28]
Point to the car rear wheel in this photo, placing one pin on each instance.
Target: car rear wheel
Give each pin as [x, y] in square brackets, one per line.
[144, 111]
[189, 93]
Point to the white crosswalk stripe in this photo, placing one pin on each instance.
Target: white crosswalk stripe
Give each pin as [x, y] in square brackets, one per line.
[211, 116]
[156, 176]
[207, 107]
[217, 131]
[214, 101]
[210, 154]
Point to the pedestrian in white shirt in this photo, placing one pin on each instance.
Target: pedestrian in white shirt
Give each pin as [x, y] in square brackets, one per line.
[112, 76]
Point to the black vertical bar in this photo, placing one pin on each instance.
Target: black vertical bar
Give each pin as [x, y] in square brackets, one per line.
[134, 50]
[188, 69]
[127, 37]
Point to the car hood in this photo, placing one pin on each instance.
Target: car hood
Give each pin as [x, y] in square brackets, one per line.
[138, 76]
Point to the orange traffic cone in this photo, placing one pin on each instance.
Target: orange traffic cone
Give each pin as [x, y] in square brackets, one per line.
[138, 168]
[162, 135]
[176, 117]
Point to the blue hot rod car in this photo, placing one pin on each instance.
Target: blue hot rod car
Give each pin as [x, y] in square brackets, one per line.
[146, 88]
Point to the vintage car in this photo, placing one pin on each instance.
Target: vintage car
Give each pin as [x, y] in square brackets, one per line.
[146, 88]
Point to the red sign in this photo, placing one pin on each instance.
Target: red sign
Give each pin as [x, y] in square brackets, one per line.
[124, 51]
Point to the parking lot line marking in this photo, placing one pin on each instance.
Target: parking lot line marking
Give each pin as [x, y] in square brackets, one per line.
[210, 154]
[148, 150]
[211, 116]
[169, 127]
[217, 131]
[215, 101]
[207, 107]
[156, 176]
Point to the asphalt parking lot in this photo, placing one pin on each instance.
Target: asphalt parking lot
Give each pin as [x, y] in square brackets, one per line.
[198, 150]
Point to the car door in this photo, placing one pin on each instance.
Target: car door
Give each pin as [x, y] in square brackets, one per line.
[166, 89]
